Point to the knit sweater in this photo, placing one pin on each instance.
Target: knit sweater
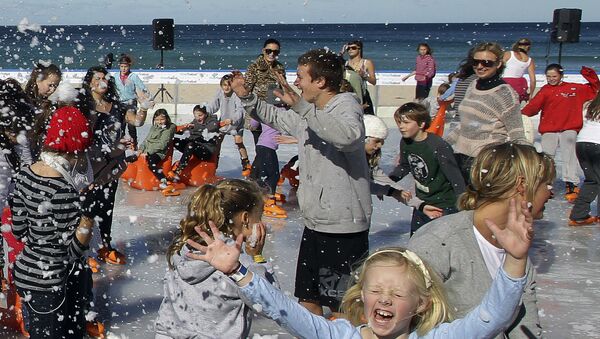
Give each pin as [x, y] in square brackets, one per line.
[487, 117]
[46, 212]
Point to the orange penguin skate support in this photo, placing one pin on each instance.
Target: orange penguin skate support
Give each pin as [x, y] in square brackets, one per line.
[437, 124]
[139, 175]
[11, 317]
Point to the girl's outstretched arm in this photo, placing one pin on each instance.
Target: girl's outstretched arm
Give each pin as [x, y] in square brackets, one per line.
[266, 298]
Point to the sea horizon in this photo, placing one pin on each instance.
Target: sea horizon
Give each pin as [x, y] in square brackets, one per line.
[217, 47]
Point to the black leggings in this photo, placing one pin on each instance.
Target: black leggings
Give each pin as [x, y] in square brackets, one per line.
[265, 168]
[154, 163]
[99, 204]
[200, 149]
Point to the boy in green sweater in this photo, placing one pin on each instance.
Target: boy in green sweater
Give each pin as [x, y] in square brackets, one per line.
[430, 160]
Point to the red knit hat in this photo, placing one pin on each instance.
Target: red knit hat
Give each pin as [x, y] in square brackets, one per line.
[68, 131]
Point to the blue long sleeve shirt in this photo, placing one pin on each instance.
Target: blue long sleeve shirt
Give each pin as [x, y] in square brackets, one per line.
[128, 90]
[492, 316]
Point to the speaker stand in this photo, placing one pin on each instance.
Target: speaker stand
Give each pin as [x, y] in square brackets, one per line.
[162, 90]
[560, 53]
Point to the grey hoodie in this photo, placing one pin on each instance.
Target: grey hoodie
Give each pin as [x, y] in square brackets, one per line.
[334, 194]
[230, 107]
[200, 302]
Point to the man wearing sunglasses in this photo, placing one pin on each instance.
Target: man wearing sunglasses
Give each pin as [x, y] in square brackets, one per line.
[334, 194]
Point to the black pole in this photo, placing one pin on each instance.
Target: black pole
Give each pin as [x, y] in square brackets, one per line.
[560, 53]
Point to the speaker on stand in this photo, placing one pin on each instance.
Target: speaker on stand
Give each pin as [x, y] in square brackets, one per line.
[163, 38]
[566, 25]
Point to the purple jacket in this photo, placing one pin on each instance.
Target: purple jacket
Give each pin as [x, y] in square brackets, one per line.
[267, 136]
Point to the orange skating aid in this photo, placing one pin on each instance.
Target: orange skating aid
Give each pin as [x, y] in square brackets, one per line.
[273, 211]
[139, 175]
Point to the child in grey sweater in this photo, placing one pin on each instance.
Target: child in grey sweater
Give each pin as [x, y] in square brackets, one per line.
[199, 301]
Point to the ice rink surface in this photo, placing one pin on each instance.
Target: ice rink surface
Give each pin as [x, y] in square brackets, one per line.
[127, 297]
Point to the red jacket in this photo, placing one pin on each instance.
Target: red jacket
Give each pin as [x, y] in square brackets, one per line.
[562, 105]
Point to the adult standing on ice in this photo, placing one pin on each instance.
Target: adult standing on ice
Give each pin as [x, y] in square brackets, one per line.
[489, 113]
[365, 69]
[261, 79]
[334, 198]
[518, 62]
[99, 101]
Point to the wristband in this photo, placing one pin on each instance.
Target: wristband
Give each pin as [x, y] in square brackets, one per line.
[259, 259]
[239, 274]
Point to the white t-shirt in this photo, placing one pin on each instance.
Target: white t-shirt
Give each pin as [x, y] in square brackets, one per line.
[590, 132]
[492, 255]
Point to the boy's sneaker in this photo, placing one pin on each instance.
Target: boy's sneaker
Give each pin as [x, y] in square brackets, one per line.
[587, 221]
[273, 211]
[571, 192]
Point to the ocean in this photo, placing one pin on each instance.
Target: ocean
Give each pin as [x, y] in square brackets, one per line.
[224, 47]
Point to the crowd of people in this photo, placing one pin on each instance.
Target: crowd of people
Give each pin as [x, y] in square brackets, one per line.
[477, 190]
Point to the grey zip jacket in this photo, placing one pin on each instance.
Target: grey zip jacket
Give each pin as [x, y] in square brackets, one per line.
[201, 302]
[334, 194]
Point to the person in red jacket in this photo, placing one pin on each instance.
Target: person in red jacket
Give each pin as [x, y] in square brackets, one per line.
[561, 106]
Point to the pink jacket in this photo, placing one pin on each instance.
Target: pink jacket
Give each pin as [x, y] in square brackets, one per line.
[425, 70]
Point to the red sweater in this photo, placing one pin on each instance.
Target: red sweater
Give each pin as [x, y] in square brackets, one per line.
[561, 106]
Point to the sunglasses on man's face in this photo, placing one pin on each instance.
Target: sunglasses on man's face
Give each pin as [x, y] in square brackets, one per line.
[353, 47]
[275, 52]
[484, 63]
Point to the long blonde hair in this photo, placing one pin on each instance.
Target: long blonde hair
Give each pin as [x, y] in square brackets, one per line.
[218, 203]
[437, 310]
[495, 171]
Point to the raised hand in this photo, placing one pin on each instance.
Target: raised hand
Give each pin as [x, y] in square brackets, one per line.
[220, 255]
[238, 84]
[515, 238]
[287, 95]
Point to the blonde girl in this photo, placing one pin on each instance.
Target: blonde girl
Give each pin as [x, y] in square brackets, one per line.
[198, 300]
[462, 248]
[400, 297]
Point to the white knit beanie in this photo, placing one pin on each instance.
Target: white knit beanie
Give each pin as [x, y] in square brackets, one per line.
[375, 127]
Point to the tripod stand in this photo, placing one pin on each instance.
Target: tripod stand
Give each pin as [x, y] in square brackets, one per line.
[162, 90]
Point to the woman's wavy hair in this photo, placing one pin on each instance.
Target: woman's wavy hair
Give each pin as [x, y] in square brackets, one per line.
[39, 73]
[86, 100]
[218, 203]
[593, 111]
[437, 309]
[497, 168]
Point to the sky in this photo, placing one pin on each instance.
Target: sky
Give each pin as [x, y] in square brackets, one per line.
[109, 12]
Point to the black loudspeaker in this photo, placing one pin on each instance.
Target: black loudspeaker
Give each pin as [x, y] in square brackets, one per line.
[566, 25]
[163, 34]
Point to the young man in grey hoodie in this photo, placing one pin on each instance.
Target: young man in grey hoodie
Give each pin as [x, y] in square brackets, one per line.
[334, 195]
